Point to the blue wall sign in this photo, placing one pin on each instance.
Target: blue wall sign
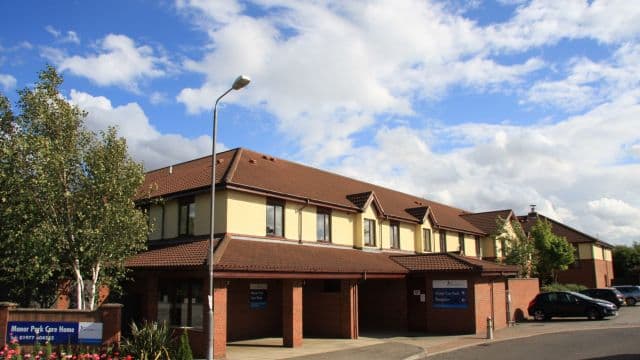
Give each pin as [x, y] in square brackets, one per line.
[450, 294]
[29, 332]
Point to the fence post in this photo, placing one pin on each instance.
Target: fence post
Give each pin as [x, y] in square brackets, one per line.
[5, 307]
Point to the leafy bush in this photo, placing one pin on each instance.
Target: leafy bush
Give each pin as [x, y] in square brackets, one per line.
[151, 341]
[562, 287]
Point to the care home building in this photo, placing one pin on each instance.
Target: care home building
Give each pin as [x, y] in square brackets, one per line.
[302, 252]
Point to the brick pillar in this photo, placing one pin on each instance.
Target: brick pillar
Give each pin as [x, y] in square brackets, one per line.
[111, 315]
[5, 307]
[219, 319]
[349, 309]
[292, 313]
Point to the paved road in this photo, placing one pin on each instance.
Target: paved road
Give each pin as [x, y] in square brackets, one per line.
[616, 344]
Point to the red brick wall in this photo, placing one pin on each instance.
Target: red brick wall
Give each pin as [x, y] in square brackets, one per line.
[449, 321]
[329, 314]
[247, 323]
[292, 322]
[603, 273]
[382, 304]
[583, 274]
[522, 292]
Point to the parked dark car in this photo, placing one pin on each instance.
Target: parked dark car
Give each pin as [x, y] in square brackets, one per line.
[569, 304]
[609, 294]
[631, 293]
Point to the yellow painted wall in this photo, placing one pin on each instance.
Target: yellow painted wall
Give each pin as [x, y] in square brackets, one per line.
[608, 255]
[342, 228]
[155, 219]
[597, 252]
[201, 222]
[469, 245]
[584, 251]
[171, 219]
[452, 241]
[407, 237]
[294, 213]
[488, 247]
[384, 234]
[246, 213]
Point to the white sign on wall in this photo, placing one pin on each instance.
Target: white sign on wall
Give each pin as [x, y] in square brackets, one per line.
[449, 284]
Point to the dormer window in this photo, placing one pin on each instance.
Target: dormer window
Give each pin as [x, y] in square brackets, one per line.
[394, 235]
[186, 217]
[275, 217]
[369, 232]
[426, 234]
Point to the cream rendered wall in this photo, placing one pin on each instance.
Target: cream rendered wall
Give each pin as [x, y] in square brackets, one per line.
[597, 252]
[407, 237]
[293, 214]
[470, 245]
[246, 214]
[201, 222]
[342, 228]
[155, 219]
[171, 219]
[452, 241]
[383, 234]
[488, 247]
[608, 255]
[436, 240]
[585, 251]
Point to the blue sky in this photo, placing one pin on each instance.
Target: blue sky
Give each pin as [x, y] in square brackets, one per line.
[480, 104]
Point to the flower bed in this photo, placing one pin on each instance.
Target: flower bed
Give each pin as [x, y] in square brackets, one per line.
[13, 351]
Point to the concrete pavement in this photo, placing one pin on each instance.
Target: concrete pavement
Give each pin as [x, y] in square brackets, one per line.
[414, 346]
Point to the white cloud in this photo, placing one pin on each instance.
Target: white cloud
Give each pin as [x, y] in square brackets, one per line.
[120, 62]
[158, 97]
[7, 81]
[70, 37]
[590, 83]
[146, 144]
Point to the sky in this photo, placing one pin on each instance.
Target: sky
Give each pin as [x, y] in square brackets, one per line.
[479, 104]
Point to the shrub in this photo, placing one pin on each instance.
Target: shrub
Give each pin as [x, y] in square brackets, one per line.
[184, 349]
[151, 341]
[562, 287]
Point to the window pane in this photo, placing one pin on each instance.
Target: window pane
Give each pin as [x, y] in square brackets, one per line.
[271, 220]
[327, 227]
[196, 305]
[367, 232]
[427, 239]
[278, 225]
[183, 220]
[192, 217]
[164, 305]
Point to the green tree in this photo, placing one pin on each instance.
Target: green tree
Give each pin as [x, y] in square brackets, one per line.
[520, 250]
[65, 198]
[626, 262]
[553, 252]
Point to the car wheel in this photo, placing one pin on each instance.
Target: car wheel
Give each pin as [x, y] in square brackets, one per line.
[631, 301]
[593, 314]
[539, 315]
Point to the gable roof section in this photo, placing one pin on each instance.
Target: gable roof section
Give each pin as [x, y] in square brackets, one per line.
[486, 221]
[438, 262]
[247, 170]
[572, 235]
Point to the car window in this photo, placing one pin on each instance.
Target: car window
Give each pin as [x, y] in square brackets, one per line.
[552, 297]
[566, 298]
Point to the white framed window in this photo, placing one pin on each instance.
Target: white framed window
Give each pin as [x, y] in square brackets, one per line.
[369, 232]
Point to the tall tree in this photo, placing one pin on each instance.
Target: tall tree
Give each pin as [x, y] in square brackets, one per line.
[626, 262]
[553, 252]
[67, 196]
[517, 246]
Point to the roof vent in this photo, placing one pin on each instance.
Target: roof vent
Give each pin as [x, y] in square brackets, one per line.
[272, 158]
[170, 169]
[265, 157]
[252, 161]
[219, 161]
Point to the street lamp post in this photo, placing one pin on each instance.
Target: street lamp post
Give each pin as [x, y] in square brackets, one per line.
[240, 82]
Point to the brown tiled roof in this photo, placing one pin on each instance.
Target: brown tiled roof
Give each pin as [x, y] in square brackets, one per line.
[245, 255]
[246, 169]
[177, 255]
[451, 262]
[262, 256]
[486, 221]
[572, 235]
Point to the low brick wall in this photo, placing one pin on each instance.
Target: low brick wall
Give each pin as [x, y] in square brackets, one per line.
[522, 292]
[107, 314]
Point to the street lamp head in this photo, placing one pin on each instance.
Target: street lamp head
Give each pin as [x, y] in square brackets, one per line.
[240, 82]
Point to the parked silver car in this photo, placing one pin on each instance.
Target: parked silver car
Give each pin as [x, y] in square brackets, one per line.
[631, 293]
